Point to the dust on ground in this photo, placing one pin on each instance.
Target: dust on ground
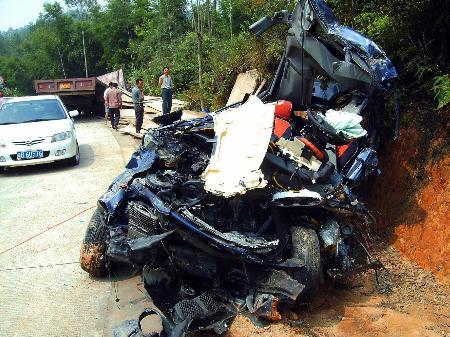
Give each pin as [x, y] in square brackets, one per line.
[405, 301]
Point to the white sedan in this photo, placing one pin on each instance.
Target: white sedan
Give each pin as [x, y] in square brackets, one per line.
[37, 130]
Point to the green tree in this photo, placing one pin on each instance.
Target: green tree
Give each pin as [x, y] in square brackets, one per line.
[142, 36]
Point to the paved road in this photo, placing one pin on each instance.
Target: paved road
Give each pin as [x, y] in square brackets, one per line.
[43, 291]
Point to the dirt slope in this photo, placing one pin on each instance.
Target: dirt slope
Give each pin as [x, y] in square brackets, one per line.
[412, 201]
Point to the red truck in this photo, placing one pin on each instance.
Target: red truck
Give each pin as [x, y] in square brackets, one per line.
[83, 94]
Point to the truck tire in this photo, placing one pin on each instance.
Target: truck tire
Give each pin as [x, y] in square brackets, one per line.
[93, 248]
[306, 247]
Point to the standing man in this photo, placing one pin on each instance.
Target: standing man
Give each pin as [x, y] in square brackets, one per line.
[114, 102]
[2, 99]
[137, 95]
[106, 105]
[166, 84]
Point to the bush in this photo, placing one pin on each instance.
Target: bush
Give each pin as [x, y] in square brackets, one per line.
[11, 92]
[441, 90]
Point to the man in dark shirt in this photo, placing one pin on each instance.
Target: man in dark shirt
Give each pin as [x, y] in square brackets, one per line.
[137, 95]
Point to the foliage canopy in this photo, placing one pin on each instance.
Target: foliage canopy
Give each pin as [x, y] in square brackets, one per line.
[143, 36]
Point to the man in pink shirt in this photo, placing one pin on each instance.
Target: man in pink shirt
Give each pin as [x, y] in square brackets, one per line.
[106, 106]
[114, 102]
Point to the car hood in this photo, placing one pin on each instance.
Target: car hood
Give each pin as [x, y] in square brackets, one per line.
[34, 130]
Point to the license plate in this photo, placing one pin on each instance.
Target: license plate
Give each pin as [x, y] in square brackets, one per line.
[30, 154]
[64, 86]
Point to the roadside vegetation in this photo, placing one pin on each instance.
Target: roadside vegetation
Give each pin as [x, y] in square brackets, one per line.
[206, 43]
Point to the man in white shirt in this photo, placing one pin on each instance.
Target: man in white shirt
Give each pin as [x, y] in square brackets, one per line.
[166, 83]
[106, 104]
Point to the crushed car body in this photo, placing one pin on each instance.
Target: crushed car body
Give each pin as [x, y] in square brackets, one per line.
[250, 207]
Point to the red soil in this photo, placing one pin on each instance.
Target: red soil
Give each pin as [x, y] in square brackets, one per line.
[413, 200]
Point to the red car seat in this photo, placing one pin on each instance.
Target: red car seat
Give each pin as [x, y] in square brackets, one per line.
[282, 125]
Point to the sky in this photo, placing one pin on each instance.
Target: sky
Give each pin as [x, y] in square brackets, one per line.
[18, 13]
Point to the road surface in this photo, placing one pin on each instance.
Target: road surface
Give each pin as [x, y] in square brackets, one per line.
[43, 290]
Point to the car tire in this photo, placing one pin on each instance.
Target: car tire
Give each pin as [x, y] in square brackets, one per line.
[93, 248]
[306, 247]
[75, 160]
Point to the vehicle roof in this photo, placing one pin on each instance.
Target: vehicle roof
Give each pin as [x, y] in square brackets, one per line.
[31, 98]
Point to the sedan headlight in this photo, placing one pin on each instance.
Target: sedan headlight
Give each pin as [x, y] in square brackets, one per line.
[61, 136]
[2, 144]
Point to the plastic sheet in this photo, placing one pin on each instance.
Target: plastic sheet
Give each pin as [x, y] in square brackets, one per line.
[345, 123]
[254, 121]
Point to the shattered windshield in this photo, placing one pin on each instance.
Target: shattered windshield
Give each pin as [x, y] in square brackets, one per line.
[31, 111]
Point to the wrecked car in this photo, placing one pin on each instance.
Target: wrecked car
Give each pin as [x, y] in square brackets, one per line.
[252, 206]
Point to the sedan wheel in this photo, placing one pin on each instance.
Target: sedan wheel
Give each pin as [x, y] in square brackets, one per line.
[93, 248]
[75, 160]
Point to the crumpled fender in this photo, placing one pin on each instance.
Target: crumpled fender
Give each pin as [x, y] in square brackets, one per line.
[140, 162]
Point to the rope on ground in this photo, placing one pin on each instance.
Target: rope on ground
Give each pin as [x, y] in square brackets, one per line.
[36, 267]
[45, 231]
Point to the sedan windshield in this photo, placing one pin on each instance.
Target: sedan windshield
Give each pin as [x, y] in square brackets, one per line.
[31, 111]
